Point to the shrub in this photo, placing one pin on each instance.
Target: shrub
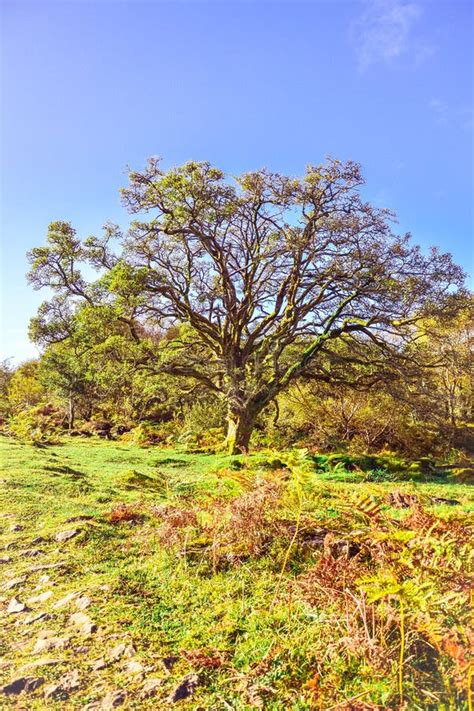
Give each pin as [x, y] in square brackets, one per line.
[36, 425]
[102, 428]
[124, 513]
[147, 434]
[203, 425]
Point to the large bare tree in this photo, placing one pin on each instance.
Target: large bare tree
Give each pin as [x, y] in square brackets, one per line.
[265, 273]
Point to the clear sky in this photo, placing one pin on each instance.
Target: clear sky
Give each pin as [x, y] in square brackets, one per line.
[91, 87]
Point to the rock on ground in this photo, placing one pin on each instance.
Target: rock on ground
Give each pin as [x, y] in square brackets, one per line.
[36, 618]
[63, 536]
[70, 680]
[133, 667]
[150, 688]
[49, 643]
[99, 664]
[66, 600]
[64, 686]
[79, 618]
[121, 650]
[24, 683]
[113, 699]
[15, 605]
[42, 597]
[83, 602]
[46, 566]
[14, 583]
[31, 552]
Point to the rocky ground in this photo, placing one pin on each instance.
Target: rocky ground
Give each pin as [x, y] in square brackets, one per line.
[60, 642]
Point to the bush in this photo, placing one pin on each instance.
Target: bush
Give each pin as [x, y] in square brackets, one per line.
[37, 425]
[331, 420]
[203, 425]
[102, 428]
[147, 434]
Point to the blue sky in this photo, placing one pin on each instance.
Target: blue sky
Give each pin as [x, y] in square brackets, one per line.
[91, 87]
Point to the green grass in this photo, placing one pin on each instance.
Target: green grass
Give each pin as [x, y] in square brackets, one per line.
[206, 591]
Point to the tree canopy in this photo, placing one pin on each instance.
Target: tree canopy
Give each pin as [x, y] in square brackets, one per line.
[266, 275]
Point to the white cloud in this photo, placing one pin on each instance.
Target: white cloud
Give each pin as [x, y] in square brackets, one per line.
[384, 33]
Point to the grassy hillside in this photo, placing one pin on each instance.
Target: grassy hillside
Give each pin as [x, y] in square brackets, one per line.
[275, 581]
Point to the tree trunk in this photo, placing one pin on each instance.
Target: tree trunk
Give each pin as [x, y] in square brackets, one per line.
[71, 413]
[240, 428]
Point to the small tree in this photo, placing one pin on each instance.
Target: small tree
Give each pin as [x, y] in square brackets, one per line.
[268, 272]
[6, 375]
[89, 357]
[25, 388]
